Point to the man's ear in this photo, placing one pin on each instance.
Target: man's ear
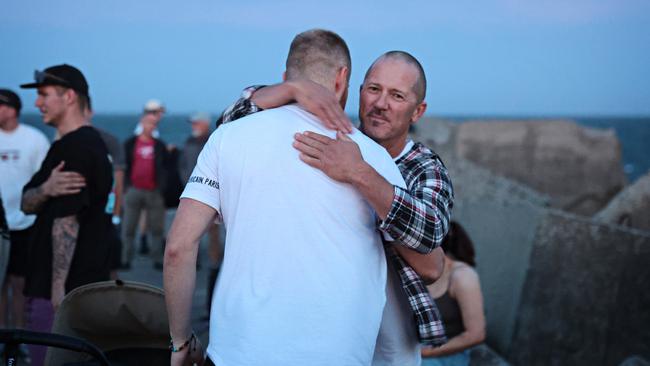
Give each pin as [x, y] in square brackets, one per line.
[284, 76]
[69, 96]
[418, 112]
[341, 81]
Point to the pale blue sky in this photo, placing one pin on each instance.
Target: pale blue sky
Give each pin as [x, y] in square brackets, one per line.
[493, 57]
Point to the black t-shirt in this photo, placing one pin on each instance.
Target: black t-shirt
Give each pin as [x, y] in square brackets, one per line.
[84, 152]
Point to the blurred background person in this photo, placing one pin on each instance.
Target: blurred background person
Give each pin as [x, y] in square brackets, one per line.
[156, 108]
[114, 204]
[144, 180]
[200, 123]
[22, 150]
[460, 301]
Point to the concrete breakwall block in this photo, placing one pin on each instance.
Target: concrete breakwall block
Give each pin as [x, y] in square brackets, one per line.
[631, 207]
[437, 134]
[585, 300]
[579, 168]
[503, 233]
[483, 355]
[472, 182]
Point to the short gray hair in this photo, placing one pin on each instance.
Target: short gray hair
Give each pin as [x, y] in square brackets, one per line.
[317, 54]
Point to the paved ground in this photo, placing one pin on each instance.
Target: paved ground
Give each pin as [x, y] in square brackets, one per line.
[143, 271]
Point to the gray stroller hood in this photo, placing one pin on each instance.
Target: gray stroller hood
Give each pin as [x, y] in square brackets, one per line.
[115, 316]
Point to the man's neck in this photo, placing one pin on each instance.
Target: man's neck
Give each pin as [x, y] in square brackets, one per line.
[71, 122]
[394, 148]
[10, 125]
[145, 137]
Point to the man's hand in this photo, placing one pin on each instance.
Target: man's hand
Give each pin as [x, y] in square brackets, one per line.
[322, 103]
[339, 159]
[61, 183]
[192, 355]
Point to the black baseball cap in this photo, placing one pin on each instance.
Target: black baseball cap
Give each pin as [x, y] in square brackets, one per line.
[7, 97]
[62, 75]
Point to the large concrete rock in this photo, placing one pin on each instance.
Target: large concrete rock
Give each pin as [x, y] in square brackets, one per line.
[559, 289]
[482, 355]
[585, 298]
[579, 168]
[631, 207]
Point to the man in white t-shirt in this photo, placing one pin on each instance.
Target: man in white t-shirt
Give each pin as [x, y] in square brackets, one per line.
[304, 274]
[22, 150]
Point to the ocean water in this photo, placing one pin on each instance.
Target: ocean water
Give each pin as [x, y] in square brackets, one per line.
[634, 133]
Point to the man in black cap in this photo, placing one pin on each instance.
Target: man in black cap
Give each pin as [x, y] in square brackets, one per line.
[22, 149]
[68, 194]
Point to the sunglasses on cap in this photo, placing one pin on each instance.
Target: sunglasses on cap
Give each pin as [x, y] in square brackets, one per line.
[41, 77]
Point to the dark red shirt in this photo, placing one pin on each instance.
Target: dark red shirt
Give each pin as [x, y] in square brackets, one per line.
[143, 173]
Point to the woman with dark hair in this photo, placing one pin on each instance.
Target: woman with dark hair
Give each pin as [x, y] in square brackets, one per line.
[458, 295]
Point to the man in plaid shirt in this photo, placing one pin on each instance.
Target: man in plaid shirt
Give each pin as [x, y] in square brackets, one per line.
[392, 99]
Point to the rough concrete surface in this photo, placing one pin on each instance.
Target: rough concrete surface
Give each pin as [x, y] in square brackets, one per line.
[579, 168]
[503, 235]
[631, 207]
[585, 299]
[559, 289]
[483, 355]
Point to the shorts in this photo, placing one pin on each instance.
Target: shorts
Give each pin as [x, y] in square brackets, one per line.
[18, 252]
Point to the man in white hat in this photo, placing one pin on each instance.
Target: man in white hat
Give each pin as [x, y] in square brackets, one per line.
[144, 183]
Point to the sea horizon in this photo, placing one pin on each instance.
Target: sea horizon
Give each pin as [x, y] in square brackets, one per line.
[632, 132]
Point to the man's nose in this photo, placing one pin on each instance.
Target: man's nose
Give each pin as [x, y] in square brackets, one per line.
[382, 101]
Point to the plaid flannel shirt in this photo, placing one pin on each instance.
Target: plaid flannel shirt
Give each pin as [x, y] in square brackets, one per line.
[419, 219]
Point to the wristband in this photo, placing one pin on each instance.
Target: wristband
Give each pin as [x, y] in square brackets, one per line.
[191, 340]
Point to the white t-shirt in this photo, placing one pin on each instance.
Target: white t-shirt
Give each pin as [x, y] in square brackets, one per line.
[397, 342]
[303, 281]
[21, 153]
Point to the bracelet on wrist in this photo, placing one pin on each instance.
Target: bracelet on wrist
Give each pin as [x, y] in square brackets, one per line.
[191, 340]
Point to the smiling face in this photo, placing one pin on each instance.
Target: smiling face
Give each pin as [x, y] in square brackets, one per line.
[51, 103]
[388, 103]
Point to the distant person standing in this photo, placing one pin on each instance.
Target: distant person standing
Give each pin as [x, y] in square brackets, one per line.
[22, 150]
[193, 145]
[145, 178]
[114, 205]
[4, 243]
[200, 124]
[68, 194]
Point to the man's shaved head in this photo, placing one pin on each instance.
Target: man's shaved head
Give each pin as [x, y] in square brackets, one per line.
[317, 55]
[420, 86]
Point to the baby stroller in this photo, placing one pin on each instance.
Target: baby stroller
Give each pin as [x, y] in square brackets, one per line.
[126, 320]
[12, 338]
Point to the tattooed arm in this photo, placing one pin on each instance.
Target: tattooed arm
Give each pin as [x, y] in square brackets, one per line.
[59, 183]
[64, 241]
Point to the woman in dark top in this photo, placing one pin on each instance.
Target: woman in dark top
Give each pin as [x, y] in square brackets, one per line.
[458, 295]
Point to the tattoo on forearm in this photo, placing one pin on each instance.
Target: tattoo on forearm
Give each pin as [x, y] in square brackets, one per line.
[32, 200]
[64, 241]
